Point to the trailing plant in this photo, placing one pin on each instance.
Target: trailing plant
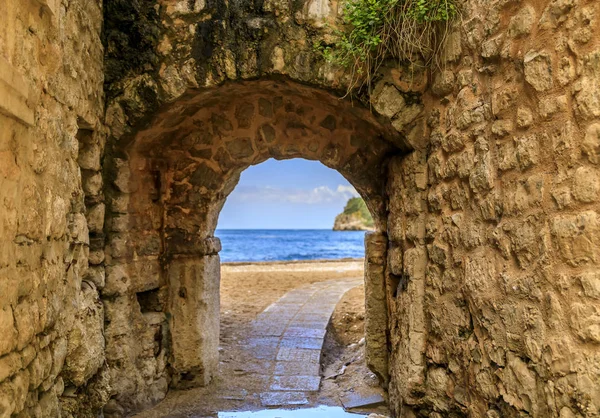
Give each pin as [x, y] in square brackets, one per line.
[374, 30]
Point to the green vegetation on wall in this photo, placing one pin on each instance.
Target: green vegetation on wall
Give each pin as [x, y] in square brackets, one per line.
[410, 30]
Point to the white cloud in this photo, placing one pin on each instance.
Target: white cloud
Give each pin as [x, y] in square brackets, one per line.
[318, 195]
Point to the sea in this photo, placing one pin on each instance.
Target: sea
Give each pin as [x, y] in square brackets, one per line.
[289, 244]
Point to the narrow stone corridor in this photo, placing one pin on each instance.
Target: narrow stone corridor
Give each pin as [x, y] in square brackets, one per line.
[125, 125]
[274, 320]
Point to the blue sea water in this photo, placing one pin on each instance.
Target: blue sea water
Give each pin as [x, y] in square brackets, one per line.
[288, 244]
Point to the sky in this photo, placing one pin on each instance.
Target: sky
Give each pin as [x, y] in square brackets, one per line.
[290, 194]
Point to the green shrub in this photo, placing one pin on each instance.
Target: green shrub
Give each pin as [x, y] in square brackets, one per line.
[409, 30]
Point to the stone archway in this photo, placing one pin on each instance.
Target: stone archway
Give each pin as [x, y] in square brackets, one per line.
[169, 182]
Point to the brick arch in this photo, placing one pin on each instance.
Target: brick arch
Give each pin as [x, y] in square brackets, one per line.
[169, 182]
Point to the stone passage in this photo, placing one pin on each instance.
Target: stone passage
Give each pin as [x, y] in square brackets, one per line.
[167, 184]
[288, 337]
[483, 178]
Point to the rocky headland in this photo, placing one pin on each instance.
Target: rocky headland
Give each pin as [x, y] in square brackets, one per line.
[355, 217]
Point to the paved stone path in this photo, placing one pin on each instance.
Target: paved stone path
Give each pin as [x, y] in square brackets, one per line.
[288, 337]
[278, 358]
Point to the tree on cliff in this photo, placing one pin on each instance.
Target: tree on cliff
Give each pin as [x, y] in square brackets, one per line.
[355, 217]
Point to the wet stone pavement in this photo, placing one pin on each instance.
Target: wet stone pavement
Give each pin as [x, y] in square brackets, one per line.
[277, 362]
[289, 336]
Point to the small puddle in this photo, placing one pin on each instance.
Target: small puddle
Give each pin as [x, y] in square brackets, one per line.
[320, 412]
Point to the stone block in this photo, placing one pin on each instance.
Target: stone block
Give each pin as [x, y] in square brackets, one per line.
[172, 82]
[121, 172]
[26, 319]
[443, 83]
[395, 258]
[524, 117]
[53, 6]
[118, 246]
[585, 321]
[490, 48]
[96, 256]
[482, 177]
[296, 383]
[586, 184]
[353, 400]
[406, 116]
[120, 318]
[267, 133]
[10, 364]
[117, 280]
[92, 183]
[271, 399]
[387, 100]
[538, 70]
[452, 50]
[376, 319]
[317, 13]
[591, 143]
[78, 228]
[522, 23]
[90, 156]
[591, 284]
[194, 317]
[95, 218]
[20, 383]
[27, 355]
[527, 151]
[240, 148]
[244, 114]
[177, 8]
[187, 244]
[7, 329]
[552, 105]
[415, 261]
[587, 98]
[49, 406]
[15, 95]
[85, 349]
[293, 368]
[578, 237]
[7, 400]
[40, 368]
[454, 142]
[97, 276]
[520, 385]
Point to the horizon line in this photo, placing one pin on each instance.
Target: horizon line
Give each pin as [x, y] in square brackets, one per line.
[277, 229]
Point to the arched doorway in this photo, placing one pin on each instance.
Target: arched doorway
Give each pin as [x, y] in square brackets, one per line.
[168, 183]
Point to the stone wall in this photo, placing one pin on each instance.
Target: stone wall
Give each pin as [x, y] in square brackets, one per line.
[182, 129]
[482, 175]
[51, 105]
[494, 221]
[165, 191]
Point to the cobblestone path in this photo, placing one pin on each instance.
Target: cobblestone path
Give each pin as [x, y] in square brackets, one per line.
[288, 336]
[277, 362]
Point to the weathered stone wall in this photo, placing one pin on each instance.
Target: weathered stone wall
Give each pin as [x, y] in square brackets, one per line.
[487, 249]
[492, 216]
[494, 220]
[166, 190]
[176, 148]
[51, 106]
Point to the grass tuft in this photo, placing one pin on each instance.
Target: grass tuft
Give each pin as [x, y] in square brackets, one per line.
[375, 30]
